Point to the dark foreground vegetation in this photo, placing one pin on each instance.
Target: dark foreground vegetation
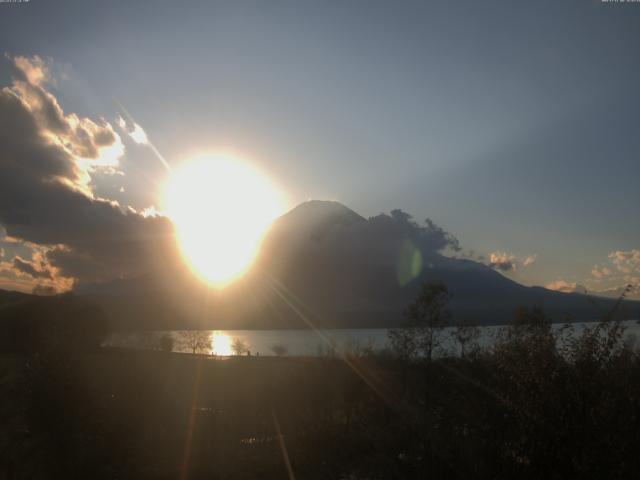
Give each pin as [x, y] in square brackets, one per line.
[530, 406]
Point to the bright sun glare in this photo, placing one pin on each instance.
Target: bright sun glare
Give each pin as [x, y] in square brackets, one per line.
[221, 344]
[221, 208]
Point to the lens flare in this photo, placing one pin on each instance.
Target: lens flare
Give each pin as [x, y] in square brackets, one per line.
[409, 262]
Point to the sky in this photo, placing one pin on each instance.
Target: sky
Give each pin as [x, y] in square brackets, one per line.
[512, 126]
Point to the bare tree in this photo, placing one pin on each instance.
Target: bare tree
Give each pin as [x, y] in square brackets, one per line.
[196, 340]
[403, 343]
[239, 346]
[358, 347]
[426, 316]
[466, 334]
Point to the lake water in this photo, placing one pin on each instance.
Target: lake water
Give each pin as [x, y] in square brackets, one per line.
[299, 342]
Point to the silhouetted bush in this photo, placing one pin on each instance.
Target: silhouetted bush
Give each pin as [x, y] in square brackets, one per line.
[279, 349]
[62, 322]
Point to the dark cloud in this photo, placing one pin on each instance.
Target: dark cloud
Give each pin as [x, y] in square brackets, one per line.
[45, 166]
[27, 267]
[503, 266]
[30, 74]
[24, 150]
[430, 238]
[44, 290]
[104, 138]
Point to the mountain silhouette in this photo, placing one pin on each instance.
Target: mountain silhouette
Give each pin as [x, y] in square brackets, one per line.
[323, 265]
[360, 272]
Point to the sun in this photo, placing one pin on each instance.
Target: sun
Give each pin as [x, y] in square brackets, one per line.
[221, 208]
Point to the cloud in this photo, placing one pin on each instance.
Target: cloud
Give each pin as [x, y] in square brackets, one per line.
[508, 262]
[626, 262]
[567, 287]
[620, 274]
[134, 130]
[529, 260]
[395, 229]
[351, 256]
[615, 291]
[34, 69]
[46, 165]
[139, 136]
[10, 281]
[624, 266]
[600, 272]
[502, 261]
[629, 290]
[21, 274]
[44, 290]
[29, 268]
[64, 147]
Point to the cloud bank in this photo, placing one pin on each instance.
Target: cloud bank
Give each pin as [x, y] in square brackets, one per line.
[47, 200]
[566, 287]
[620, 275]
[621, 271]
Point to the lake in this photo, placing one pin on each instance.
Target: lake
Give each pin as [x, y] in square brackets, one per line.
[301, 342]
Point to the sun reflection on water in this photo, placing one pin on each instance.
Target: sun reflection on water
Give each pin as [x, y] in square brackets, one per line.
[220, 344]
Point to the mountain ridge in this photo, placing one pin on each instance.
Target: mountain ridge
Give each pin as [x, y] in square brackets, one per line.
[323, 265]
